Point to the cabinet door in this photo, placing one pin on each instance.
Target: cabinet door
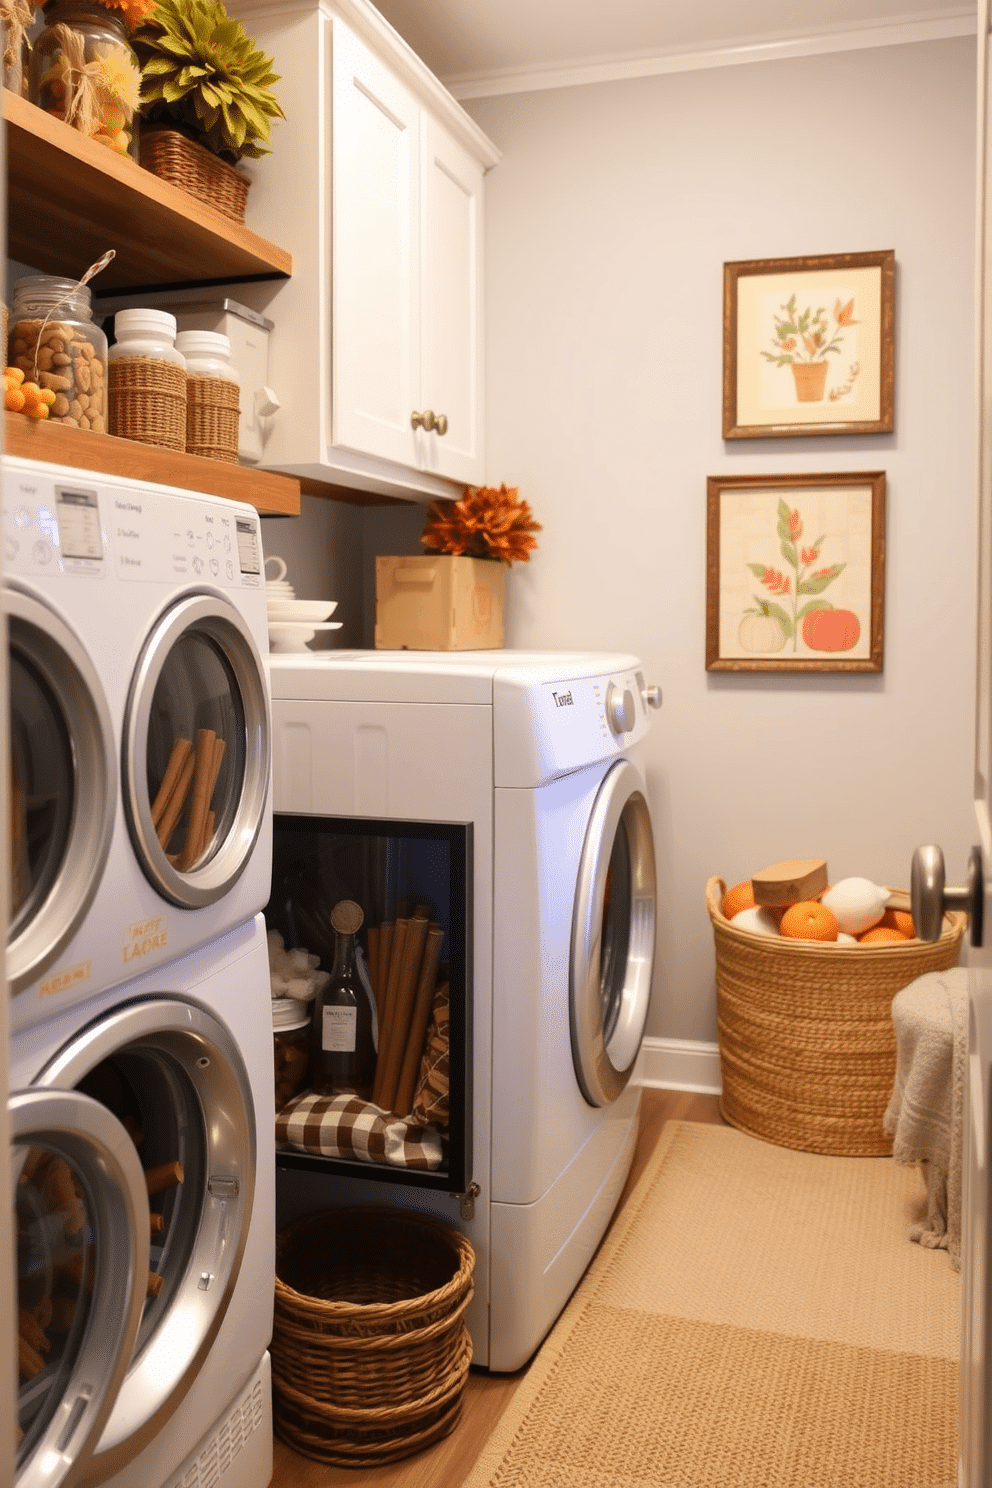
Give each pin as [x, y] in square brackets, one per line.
[451, 304]
[375, 254]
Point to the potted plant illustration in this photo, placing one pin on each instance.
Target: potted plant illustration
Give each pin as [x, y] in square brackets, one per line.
[823, 628]
[804, 338]
[207, 100]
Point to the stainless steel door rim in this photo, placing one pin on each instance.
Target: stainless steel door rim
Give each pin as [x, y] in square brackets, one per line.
[606, 1022]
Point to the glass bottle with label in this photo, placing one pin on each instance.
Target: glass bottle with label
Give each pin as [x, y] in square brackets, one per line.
[341, 1036]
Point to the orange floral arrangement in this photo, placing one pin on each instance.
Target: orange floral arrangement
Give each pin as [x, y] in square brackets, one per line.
[484, 523]
[135, 12]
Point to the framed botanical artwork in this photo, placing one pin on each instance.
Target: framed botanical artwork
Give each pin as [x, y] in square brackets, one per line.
[795, 572]
[809, 346]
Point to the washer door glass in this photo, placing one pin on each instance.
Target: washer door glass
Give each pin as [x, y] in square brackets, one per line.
[613, 934]
[81, 1231]
[196, 751]
[60, 734]
[173, 1078]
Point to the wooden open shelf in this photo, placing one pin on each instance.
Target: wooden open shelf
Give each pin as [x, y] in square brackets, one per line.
[270, 494]
[70, 198]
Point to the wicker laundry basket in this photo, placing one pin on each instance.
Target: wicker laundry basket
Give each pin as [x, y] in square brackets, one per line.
[370, 1352]
[807, 1047]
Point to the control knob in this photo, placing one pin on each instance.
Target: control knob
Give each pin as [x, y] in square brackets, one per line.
[620, 709]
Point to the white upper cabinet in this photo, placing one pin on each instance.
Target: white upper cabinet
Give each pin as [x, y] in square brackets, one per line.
[376, 184]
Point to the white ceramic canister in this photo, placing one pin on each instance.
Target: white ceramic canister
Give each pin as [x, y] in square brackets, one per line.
[147, 376]
[213, 395]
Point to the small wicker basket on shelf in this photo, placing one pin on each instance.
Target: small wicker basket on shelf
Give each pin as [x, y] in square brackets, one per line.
[182, 162]
[370, 1352]
[807, 1047]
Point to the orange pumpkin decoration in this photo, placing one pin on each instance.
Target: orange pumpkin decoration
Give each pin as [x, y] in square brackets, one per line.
[740, 896]
[880, 935]
[831, 630]
[898, 919]
[808, 920]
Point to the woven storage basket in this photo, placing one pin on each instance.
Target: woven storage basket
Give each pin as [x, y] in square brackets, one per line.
[370, 1352]
[212, 418]
[199, 172]
[146, 400]
[807, 1047]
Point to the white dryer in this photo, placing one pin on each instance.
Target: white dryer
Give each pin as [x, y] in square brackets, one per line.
[538, 755]
[145, 1292]
[139, 728]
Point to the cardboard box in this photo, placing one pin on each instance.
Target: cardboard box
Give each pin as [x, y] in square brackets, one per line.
[439, 602]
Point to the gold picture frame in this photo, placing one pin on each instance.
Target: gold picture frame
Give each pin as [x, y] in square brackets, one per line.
[809, 346]
[795, 572]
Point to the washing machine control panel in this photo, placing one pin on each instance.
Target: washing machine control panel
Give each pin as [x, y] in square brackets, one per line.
[545, 729]
[71, 524]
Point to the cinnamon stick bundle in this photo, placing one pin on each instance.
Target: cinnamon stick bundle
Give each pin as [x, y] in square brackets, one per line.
[386, 1005]
[177, 800]
[180, 753]
[203, 771]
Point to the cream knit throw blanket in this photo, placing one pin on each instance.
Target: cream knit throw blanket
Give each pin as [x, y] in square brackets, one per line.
[925, 1116]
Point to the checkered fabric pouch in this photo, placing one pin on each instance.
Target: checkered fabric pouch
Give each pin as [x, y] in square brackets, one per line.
[345, 1126]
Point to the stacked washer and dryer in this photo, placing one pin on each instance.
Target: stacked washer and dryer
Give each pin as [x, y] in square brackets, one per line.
[548, 904]
[140, 1063]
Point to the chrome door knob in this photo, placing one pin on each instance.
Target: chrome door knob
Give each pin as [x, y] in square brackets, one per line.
[932, 897]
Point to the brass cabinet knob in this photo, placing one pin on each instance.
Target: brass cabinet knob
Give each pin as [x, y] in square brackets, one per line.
[429, 421]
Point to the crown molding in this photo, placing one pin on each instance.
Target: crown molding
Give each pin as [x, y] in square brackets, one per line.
[933, 27]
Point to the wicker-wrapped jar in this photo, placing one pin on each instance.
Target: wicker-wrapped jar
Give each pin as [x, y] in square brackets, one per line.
[147, 378]
[807, 1044]
[213, 395]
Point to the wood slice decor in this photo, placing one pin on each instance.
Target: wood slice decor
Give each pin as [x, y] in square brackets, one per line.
[792, 881]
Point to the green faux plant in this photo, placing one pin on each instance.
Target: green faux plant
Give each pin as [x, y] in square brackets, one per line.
[202, 73]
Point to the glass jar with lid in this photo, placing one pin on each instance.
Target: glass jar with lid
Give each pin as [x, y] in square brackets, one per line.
[53, 339]
[84, 70]
[213, 395]
[147, 379]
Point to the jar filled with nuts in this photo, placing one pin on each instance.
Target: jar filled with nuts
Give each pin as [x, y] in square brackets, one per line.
[54, 341]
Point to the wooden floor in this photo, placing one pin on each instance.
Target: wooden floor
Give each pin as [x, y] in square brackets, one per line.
[447, 1464]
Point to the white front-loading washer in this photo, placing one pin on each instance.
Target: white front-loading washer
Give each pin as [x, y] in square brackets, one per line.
[539, 755]
[139, 728]
[143, 1149]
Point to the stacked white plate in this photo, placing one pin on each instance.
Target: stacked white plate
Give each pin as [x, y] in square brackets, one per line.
[293, 622]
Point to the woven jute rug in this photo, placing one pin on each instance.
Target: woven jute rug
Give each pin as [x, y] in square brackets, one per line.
[757, 1318]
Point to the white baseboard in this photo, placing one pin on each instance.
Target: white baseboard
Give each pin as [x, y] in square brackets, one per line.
[679, 1064]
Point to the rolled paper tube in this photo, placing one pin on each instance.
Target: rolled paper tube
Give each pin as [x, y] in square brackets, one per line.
[59, 1191]
[31, 1330]
[165, 1176]
[401, 1009]
[34, 1160]
[156, 1223]
[29, 1361]
[386, 933]
[220, 746]
[201, 796]
[413, 1053]
[180, 753]
[389, 990]
[177, 801]
[155, 1284]
[373, 946]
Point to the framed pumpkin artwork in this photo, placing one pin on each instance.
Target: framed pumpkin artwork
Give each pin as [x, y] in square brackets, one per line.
[795, 572]
[809, 345]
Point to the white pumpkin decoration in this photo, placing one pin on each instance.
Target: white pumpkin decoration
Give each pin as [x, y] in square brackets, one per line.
[760, 920]
[760, 633]
[856, 903]
[844, 939]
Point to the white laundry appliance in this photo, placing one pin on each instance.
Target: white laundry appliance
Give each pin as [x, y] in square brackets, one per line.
[505, 791]
[145, 1289]
[139, 728]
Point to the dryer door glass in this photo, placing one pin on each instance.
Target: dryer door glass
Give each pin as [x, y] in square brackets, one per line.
[60, 735]
[196, 752]
[80, 1236]
[613, 934]
[173, 1078]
